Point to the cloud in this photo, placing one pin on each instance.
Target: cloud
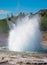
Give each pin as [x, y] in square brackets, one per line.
[4, 12]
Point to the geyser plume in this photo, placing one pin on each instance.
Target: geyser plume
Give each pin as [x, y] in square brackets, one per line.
[25, 35]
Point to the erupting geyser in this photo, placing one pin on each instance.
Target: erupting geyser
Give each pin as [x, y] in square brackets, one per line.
[25, 35]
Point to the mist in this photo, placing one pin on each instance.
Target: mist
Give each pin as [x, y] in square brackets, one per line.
[25, 34]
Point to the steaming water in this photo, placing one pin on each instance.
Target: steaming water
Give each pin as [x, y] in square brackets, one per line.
[25, 35]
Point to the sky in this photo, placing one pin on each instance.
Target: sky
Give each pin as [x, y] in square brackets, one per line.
[17, 6]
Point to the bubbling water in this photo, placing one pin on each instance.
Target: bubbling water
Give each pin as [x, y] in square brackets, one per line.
[25, 35]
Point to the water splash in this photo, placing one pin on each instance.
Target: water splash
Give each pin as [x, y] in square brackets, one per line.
[25, 35]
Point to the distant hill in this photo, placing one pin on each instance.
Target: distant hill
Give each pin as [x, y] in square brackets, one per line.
[43, 14]
[4, 26]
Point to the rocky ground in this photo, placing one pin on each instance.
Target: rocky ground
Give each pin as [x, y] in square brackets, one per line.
[11, 58]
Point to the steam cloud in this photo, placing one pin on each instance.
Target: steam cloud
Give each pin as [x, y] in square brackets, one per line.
[25, 35]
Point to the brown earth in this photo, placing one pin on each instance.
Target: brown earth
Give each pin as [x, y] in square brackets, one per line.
[3, 39]
[44, 41]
